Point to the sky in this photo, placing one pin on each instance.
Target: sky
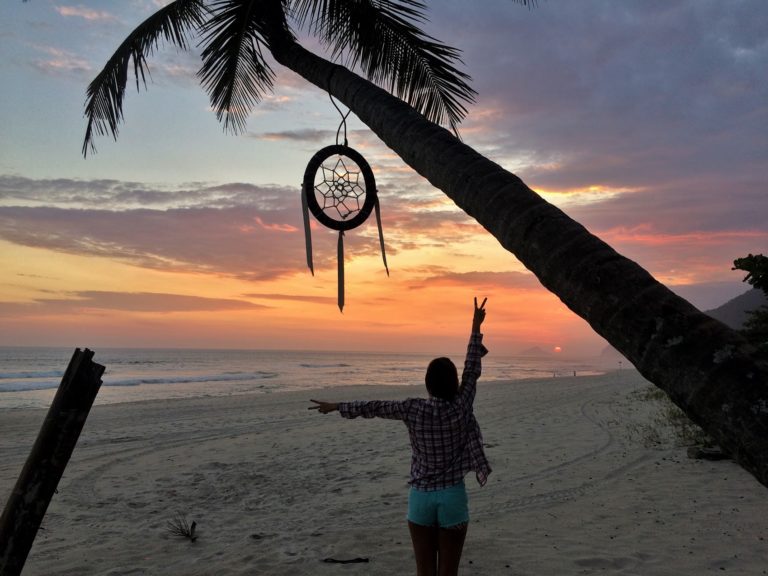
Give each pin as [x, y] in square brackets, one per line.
[645, 120]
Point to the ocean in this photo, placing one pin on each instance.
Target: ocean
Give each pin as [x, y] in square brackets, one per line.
[29, 376]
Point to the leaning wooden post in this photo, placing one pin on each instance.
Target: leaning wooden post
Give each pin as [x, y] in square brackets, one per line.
[40, 476]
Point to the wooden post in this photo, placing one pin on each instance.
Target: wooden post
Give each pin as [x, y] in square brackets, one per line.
[45, 465]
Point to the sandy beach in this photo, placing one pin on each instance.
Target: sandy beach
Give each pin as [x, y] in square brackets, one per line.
[275, 489]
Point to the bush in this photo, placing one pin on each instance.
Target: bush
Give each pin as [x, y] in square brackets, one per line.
[668, 422]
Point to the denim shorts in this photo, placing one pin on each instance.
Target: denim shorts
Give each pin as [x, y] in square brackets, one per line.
[445, 508]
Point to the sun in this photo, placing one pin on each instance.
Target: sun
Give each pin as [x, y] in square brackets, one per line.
[557, 349]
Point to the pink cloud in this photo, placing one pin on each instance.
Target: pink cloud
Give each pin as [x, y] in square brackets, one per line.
[84, 13]
[124, 301]
[275, 227]
[646, 235]
[58, 62]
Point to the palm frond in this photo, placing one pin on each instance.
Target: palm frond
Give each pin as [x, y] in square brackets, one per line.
[234, 72]
[383, 38]
[104, 97]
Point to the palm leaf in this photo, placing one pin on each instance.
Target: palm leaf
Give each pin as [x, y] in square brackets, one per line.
[104, 97]
[234, 71]
[383, 38]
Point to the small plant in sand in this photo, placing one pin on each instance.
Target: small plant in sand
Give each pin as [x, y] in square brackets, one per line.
[669, 420]
[180, 527]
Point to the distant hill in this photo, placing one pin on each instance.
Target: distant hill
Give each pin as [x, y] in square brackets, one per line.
[734, 312]
[535, 352]
[610, 358]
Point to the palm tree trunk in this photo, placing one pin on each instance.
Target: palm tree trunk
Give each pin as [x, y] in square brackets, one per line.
[707, 369]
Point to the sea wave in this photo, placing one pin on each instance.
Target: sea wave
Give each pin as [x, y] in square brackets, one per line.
[30, 375]
[27, 386]
[24, 383]
[191, 379]
[311, 365]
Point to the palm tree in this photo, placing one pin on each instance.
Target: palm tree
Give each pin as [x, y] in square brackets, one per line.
[707, 369]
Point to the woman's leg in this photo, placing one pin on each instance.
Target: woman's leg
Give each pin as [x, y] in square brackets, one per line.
[450, 546]
[425, 542]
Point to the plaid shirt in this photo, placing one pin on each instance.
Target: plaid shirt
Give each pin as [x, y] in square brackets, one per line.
[446, 442]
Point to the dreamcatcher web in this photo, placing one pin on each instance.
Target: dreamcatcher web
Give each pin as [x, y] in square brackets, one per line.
[339, 190]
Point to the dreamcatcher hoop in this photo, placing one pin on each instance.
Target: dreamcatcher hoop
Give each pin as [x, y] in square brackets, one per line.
[341, 194]
[339, 188]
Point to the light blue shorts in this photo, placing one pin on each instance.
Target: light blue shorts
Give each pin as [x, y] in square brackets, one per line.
[445, 508]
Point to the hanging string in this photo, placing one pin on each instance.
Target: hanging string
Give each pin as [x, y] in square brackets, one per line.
[343, 123]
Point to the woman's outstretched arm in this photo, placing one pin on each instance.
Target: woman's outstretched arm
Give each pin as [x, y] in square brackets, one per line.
[390, 409]
[324, 407]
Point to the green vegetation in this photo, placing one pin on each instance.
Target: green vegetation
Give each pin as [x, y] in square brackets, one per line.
[180, 527]
[668, 423]
[756, 327]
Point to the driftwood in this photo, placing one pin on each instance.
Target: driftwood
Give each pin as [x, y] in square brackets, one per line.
[45, 465]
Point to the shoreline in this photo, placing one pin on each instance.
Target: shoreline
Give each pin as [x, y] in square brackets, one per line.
[47, 394]
[275, 488]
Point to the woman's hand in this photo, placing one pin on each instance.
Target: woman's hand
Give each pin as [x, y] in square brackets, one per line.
[324, 407]
[479, 316]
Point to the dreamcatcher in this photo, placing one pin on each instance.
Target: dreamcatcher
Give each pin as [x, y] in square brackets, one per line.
[340, 191]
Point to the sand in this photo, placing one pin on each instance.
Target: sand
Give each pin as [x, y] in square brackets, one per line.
[275, 489]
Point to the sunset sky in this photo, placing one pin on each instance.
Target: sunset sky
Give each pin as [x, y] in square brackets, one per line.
[645, 120]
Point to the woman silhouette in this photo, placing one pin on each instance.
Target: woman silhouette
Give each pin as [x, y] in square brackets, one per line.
[446, 444]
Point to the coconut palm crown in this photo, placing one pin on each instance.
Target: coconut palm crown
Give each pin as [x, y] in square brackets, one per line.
[711, 372]
[380, 37]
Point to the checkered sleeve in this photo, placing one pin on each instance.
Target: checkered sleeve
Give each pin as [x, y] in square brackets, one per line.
[472, 368]
[390, 409]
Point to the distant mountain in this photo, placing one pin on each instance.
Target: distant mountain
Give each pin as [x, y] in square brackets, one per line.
[535, 352]
[610, 353]
[734, 312]
[610, 358]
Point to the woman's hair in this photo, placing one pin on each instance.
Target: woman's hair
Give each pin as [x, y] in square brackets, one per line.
[442, 379]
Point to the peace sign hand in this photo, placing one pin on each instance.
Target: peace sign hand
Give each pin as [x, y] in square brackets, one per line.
[479, 315]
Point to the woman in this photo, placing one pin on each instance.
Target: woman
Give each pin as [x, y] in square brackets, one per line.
[446, 444]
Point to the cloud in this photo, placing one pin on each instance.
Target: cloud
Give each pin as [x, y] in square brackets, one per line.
[622, 95]
[123, 195]
[252, 232]
[481, 280]
[305, 135]
[154, 302]
[85, 13]
[223, 241]
[717, 206]
[234, 229]
[59, 62]
[292, 298]
[242, 230]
